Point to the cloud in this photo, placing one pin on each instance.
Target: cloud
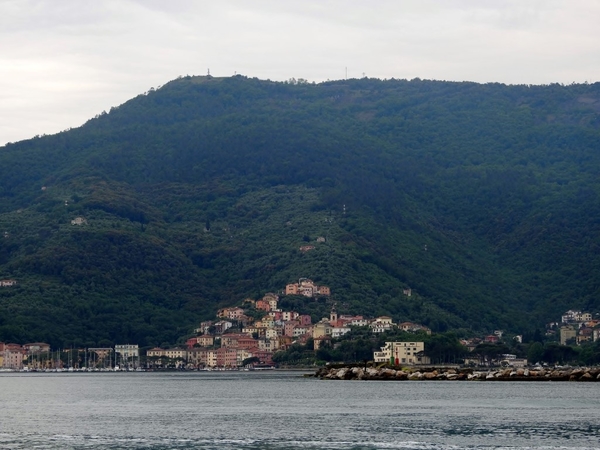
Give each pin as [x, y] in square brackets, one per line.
[62, 62]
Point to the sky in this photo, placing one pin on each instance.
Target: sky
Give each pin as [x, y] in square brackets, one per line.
[64, 61]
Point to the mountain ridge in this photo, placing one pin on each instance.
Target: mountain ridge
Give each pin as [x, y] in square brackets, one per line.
[482, 198]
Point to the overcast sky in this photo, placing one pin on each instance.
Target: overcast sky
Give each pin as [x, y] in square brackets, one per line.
[64, 61]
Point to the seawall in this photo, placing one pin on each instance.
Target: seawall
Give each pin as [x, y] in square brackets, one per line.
[451, 374]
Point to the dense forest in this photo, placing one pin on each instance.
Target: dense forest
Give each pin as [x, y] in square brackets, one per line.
[484, 199]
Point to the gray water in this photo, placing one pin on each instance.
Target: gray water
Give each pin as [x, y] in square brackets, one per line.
[283, 410]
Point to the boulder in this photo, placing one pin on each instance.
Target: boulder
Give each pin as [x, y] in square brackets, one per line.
[401, 375]
[356, 371]
[372, 372]
[341, 374]
[577, 372]
[388, 373]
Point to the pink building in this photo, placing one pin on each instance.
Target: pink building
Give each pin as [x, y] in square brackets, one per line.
[263, 306]
[242, 341]
[191, 342]
[305, 320]
[226, 357]
[276, 315]
[288, 328]
[13, 356]
[291, 289]
[264, 356]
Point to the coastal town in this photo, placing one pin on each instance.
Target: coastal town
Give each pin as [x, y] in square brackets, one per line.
[250, 334]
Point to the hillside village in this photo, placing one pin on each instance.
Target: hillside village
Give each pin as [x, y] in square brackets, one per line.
[248, 335]
[575, 327]
[270, 329]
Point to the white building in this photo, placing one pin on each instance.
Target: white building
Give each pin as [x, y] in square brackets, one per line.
[339, 331]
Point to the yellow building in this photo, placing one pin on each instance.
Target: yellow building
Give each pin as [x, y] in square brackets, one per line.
[567, 333]
[397, 353]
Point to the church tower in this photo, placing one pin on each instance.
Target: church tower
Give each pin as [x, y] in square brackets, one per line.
[333, 317]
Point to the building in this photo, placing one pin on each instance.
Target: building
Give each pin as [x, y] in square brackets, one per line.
[272, 299]
[234, 313]
[222, 326]
[78, 221]
[572, 316]
[321, 329]
[130, 354]
[13, 356]
[359, 322]
[381, 324]
[567, 333]
[242, 341]
[397, 353]
[226, 357]
[204, 327]
[413, 327]
[36, 348]
[8, 283]
[289, 315]
[307, 288]
[301, 330]
[336, 332]
[305, 320]
[128, 350]
[262, 305]
[198, 357]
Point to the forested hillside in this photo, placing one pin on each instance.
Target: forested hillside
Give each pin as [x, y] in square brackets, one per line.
[484, 199]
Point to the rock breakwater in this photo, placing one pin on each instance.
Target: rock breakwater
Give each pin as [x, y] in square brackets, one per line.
[451, 374]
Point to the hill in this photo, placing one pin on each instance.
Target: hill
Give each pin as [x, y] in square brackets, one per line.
[481, 198]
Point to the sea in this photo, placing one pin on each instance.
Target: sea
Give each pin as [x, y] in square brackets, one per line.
[285, 410]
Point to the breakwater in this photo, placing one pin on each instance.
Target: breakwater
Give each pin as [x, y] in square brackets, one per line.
[452, 374]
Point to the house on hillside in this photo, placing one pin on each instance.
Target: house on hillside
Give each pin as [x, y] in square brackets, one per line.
[8, 283]
[262, 305]
[78, 221]
[234, 313]
[307, 288]
[381, 324]
[413, 327]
